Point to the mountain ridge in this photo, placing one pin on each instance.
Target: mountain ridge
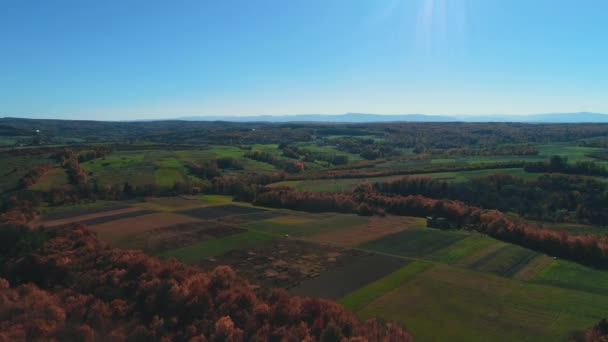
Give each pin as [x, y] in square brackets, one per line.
[579, 117]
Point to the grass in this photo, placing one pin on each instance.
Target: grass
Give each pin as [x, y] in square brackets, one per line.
[571, 275]
[505, 261]
[415, 242]
[360, 298]
[15, 167]
[450, 303]
[197, 252]
[83, 205]
[54, 177]
[310, 227]
[215, 199]
[288, 220]
[463, 248]
[462, 176]
[167, 177]
[574, 153]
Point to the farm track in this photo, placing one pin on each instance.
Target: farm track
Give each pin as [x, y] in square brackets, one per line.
[94, 218]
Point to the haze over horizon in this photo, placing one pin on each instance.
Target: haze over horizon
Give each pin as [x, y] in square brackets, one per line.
[153, 60]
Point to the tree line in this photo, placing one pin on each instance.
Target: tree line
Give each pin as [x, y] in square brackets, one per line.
[551, 197]
[585, 249]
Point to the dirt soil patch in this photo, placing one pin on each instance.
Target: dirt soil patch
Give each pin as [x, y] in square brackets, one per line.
[96, 218]
[158, 240]
[115, 231]
[375, 228]
[348, 277]
[220, 211]
[282, 263]
[264, 215]
[84, 211]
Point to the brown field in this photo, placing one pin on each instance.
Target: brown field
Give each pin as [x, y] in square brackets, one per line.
[114, 231]
[166, 238]
[85, 217]
[282, 263]
[375, 228]
[359, 271]
[170, 203]
[222, 211]
[79, 211]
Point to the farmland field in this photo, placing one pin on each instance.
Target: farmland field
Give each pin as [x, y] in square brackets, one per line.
[473, 306]
[264, 198]
[195, 253]
[415, 242]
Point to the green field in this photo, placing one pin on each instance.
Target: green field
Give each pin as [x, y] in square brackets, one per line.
[505, 261]
[450, 303]
[568, 274]
[360, 298]
[194, 253]
[161, 167]
[574, 153]
[463, 248]
[343, 184]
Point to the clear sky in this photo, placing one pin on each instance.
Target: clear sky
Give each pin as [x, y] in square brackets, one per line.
[127, 59]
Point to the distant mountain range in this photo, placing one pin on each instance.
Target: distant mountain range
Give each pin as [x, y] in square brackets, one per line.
[582, 117]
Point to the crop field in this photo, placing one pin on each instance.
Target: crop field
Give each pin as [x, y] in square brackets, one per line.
[567, 274]
[374, 228]
[505, 261]
[464, 248]
[419, 242]
[197, 252]
[120, 232]
[475, 306]
[282, 262]
[160, 240]
[324, 223]
[358, 299]
[215, 212]
[474, 287]
[349, 276]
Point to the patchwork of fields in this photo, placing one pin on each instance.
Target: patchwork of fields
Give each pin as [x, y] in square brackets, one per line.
[473, 287]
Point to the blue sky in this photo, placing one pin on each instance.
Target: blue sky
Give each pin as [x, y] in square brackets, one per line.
[127, 59]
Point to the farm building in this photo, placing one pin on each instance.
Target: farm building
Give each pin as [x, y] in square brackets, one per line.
[440, 223]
